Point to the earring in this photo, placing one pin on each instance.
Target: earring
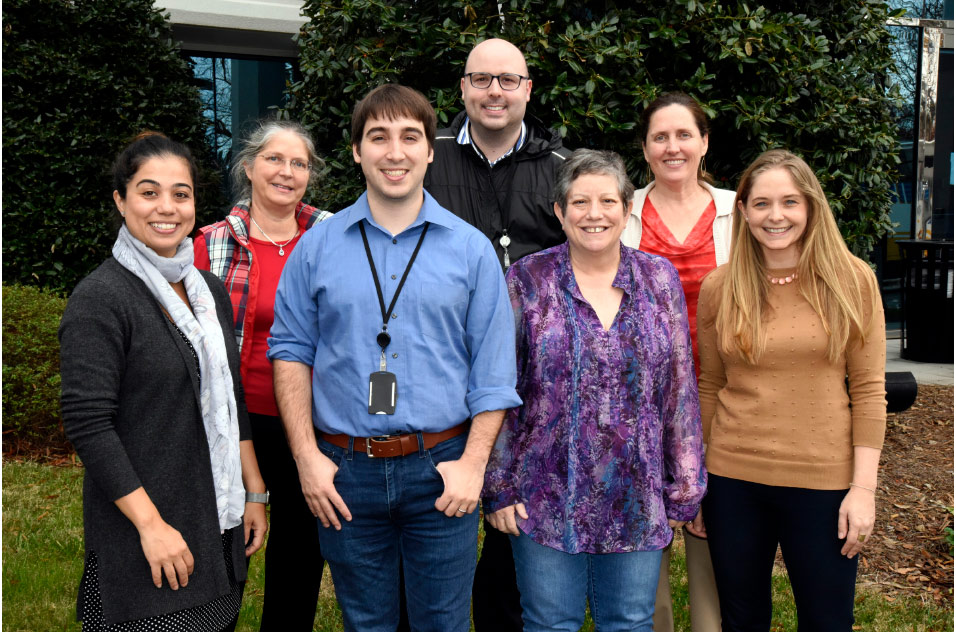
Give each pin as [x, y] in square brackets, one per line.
[702, 170]
[122, 214]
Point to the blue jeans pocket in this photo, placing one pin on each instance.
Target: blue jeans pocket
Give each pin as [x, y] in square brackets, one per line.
[334, 454]
[448, 450]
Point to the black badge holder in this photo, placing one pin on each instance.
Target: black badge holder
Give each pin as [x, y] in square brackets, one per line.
[382, 385]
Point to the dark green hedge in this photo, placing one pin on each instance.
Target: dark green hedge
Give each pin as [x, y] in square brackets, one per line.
[805, 75]
[31, 370]
[80, 79]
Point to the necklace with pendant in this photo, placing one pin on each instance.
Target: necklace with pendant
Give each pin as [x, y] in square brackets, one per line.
[281, 247]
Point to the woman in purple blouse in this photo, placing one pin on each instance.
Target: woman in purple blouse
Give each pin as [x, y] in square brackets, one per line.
[604, 459]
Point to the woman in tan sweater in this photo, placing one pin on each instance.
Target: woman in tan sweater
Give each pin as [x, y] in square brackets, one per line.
[792, 350]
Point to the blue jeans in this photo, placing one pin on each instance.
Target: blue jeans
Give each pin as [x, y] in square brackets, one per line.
[619, 586]
[394, 521]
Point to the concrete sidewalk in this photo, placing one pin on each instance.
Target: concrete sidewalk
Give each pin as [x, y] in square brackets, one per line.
[925, 372]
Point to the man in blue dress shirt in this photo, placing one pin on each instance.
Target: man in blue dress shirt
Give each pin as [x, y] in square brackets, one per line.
[394, 359]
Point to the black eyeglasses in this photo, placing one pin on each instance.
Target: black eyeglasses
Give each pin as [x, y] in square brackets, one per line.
[507, 80]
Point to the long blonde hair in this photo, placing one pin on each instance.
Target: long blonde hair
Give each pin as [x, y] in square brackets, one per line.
[830, 278]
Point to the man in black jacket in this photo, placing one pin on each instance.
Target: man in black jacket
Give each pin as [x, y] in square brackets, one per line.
[495, 168]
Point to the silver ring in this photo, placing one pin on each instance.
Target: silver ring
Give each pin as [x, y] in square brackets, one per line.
[460, 510]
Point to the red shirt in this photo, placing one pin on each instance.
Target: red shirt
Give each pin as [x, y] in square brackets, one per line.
[693, 259]
[257, 380]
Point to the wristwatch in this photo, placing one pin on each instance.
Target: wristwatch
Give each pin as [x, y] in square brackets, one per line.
[252, 497]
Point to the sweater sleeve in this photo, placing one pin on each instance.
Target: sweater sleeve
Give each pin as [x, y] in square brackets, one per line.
[712, 374]
[94, 336]
[866, 365]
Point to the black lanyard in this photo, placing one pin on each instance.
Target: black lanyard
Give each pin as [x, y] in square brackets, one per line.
[383, 338]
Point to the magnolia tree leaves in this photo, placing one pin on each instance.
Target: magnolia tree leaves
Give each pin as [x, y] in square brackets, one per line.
[809, 76]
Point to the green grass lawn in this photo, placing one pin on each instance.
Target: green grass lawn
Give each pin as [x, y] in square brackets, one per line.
[43, 561]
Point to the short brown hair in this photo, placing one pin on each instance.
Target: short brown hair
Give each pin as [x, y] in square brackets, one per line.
[393, 101]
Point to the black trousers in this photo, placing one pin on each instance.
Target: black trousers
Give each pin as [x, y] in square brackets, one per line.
[293, 560]
[745, 523]
[495, 600]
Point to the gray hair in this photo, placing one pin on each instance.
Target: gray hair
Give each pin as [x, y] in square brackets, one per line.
[592, 162]
[256, 142]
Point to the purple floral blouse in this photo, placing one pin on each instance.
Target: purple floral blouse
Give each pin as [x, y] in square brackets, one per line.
[607, 445]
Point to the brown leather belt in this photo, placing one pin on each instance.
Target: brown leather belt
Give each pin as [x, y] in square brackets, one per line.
[395, 445]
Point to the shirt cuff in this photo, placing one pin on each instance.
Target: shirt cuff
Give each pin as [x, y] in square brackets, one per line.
[504, 498]
[681, 513]
[291, 352]
[486, 399]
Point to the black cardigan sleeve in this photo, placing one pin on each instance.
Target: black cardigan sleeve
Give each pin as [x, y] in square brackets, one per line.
[94, 343]
[94, 339]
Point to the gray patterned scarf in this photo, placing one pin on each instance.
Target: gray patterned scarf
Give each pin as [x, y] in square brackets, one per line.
[201, 326]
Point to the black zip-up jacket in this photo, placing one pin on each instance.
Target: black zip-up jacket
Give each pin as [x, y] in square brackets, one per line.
[512, 196]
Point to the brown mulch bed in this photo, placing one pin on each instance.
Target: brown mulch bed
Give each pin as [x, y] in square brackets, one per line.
[53, 450]
[908, 553]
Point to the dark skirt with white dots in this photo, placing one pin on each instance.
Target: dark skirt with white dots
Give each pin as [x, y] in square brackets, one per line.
[218, 614]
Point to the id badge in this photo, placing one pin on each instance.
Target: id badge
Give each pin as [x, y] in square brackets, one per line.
[382, 392]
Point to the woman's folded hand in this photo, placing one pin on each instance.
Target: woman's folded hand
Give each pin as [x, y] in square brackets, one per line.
[505, 520]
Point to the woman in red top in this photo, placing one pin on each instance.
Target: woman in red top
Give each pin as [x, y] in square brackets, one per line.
[680, 216]
[248, 250]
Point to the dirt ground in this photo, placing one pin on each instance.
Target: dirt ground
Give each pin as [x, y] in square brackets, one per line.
[908, 552]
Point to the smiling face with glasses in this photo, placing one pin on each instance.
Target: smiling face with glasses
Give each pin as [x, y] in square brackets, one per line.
[280, 174]
[495, 90]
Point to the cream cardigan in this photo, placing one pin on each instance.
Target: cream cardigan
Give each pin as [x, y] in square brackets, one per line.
[723, 223]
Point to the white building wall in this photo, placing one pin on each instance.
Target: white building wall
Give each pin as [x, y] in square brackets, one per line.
[277, 16]
[260, 28]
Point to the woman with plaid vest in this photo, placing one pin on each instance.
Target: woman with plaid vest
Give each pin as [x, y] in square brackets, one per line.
[248, 250]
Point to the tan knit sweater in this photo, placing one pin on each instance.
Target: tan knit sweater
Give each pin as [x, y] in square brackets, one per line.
[788, 420]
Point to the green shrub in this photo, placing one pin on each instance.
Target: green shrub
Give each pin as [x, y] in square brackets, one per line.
[31, 370]
[807, 75]
[80, 79]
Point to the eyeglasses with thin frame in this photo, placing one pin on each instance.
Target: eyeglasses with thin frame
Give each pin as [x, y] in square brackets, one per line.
[507, 80]
[294, 163]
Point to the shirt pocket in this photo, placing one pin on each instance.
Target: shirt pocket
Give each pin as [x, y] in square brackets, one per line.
[442, 311]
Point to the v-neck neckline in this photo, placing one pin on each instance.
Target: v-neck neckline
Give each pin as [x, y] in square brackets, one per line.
[693, 237]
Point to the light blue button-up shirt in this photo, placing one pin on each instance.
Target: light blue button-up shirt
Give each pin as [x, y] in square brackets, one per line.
[453, 338]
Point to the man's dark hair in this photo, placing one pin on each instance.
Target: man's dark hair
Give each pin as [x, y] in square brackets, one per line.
[393, 101]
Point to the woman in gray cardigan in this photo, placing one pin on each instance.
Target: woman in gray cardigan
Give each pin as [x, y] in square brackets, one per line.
[173, 500]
